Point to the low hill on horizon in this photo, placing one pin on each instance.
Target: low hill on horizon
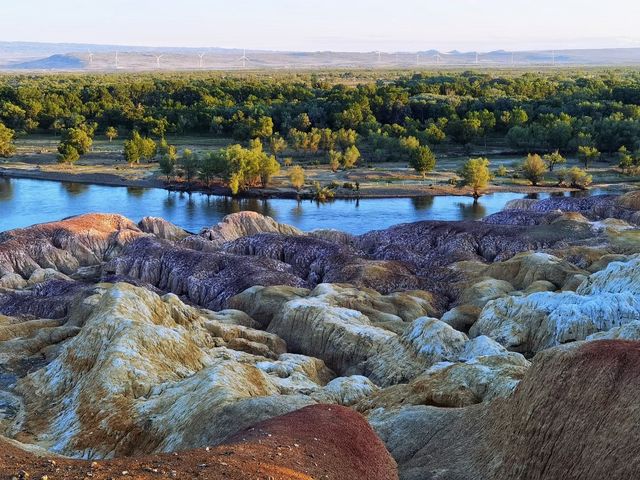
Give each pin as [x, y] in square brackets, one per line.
[89, 57]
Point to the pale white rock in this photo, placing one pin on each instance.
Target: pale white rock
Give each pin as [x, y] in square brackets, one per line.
[526, 268]
[607, 299]
[163, 229]
[389, 311]
[629, 331]
[618, 277]
[12, 281]
[245, 224]
[147, 374]
[453, 384]
[481, 346]
[41, 275]
[350, 343]
[346, 390]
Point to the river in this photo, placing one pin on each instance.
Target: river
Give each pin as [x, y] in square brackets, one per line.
[25, 202]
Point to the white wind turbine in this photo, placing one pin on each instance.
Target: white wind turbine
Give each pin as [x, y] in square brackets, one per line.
[158, 58]
[438, 58]
[90, 58]
[201, 59]
[244, 59]
[117, 64]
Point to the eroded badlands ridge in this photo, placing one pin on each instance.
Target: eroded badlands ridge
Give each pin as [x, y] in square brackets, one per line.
[120, 339]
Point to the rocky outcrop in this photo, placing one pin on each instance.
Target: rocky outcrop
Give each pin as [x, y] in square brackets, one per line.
[207, 278]
[546, 429]
[160, 228]
[358, 332]
[49, 299]
[238, 225]
[119, 386]
[596, 207]
[314, 442]
[391, 311]
[423, 328]
[66, 245]
[527, 268]
[606, 299]
[429, 244]
[523, 274]
[320, 261]
[477, 379]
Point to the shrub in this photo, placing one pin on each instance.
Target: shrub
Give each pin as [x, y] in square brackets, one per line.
[579, 178]
[322, 194]
[533, 169]
[296, 177]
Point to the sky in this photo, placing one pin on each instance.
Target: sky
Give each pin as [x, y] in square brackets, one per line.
[338, 25]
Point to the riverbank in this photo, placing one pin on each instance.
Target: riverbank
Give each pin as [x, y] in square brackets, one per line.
[90, 178]
[140, 178]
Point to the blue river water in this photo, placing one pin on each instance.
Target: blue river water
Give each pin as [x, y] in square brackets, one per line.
[25, 202]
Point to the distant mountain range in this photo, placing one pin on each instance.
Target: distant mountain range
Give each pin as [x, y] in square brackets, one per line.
[26, 56]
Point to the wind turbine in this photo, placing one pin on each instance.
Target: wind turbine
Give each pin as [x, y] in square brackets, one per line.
[379, 56]
[438, 58]
[158, 58]
[244, 59]
[201, 57]
[553, 57]
[117, 65]
[90, 58]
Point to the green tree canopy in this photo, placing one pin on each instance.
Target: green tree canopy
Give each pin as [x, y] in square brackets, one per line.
[422, 160]
[7, 148]
[475, 174]
[67, 154]
[553, 159]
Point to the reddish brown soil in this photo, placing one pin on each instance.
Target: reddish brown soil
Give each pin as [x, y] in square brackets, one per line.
[317, 442]
[575, 416]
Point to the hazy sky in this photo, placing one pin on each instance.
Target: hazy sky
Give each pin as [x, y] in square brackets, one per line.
[361, 25]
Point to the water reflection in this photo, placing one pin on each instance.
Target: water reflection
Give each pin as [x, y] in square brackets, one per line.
[136, 191]
[472, 210]
[6, 189]
[75, 189]
[423, 203]
[297, 211]
[23, 205]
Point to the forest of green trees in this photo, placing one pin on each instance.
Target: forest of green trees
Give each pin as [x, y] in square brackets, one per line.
[398, 117]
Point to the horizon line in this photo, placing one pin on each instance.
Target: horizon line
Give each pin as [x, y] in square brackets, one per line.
[455, 50]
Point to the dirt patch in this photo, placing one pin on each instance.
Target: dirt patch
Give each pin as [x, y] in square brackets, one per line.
[316, 442]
